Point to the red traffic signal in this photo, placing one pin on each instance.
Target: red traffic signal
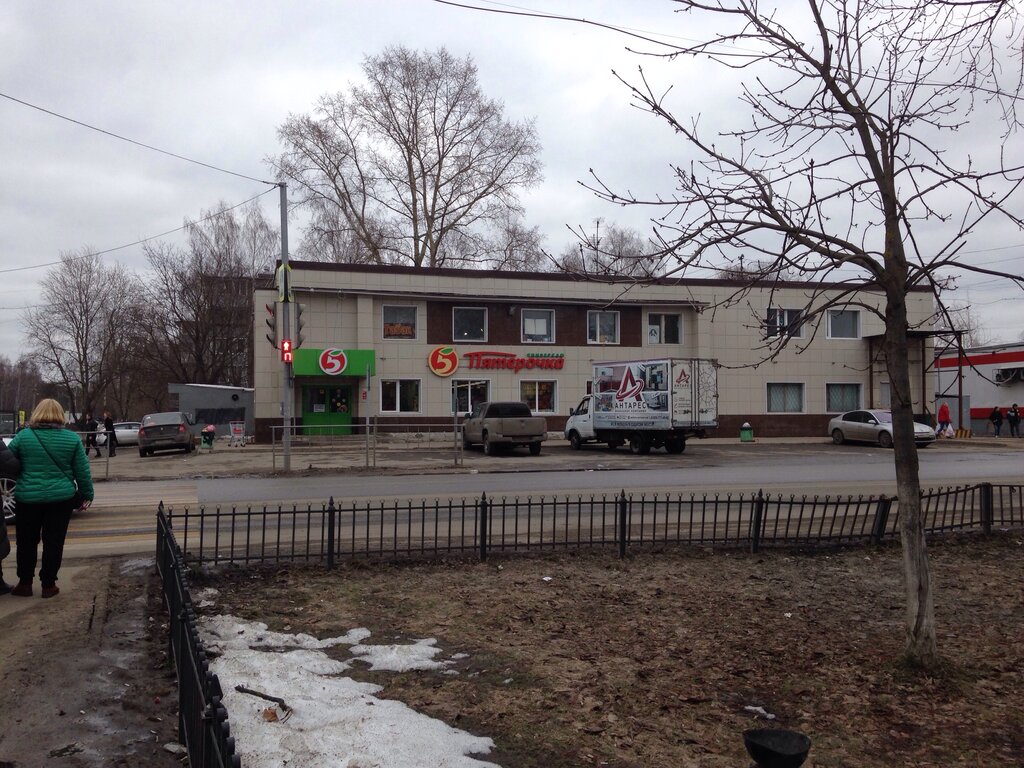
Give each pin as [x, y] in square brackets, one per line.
[286, 350]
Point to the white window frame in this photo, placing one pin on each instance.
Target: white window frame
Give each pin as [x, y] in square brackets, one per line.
[554, 394]
[860, 396]
[522, 325]
[661, 328]
[398, 394]
[416, 323]
[855, 312]
[488, 382]
[786, 328]
[618, 327]
[460, 339]
[768, 398]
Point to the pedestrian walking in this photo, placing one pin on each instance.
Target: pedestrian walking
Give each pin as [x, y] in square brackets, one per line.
[55, 480]
[108, 427]
[943, 418]
[10, 468]
[996, 417]
[91, 428]
[1013, 419]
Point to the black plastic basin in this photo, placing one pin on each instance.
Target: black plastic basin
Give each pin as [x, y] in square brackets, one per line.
[776, 747]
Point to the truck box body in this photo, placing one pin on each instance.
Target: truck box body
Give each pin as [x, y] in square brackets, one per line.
[664, 393]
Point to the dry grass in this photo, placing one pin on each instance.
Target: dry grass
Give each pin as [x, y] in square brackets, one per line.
[651, 661]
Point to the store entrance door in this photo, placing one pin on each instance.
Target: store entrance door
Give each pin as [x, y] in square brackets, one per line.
[327, 409]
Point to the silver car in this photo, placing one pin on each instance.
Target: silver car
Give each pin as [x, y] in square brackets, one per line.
[126, 432]
[873, 427]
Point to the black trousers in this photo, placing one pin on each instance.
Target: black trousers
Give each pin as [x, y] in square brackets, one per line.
[111, 443]
[49, 522]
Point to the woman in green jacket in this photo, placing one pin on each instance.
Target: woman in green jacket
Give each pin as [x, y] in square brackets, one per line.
[54, 468]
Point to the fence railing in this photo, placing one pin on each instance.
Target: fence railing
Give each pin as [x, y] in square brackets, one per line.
[479, 526]
[364, 439]
[202, 718]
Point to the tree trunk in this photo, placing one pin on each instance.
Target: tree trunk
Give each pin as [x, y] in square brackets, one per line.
[921, 648]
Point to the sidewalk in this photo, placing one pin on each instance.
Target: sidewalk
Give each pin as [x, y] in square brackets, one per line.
[420, 454]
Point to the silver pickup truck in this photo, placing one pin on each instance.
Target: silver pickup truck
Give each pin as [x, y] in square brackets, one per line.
[503, 424]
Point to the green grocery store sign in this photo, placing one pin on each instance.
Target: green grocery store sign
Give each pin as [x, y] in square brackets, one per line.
[334, 362]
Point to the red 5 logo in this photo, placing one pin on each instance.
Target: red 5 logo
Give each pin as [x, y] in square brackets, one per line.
[443, 361]
[333, 361]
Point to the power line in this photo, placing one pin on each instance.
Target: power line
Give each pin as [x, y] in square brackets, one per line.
[133, 141]
[144, 240]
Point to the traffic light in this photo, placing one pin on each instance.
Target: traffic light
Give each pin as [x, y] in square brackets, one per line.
[271, 324]
[299, 338]
[286, 350]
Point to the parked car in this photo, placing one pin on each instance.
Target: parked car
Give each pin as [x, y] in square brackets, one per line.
[873, 427]
[504, 425]
[126, 432]
[171, 430]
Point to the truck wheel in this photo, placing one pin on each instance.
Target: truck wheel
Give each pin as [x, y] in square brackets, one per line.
[639, 445]
[488, 445]
[574, 441]
[675, 445]
[535, 449]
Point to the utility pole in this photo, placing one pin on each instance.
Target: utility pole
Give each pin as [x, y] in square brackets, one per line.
[285, 293]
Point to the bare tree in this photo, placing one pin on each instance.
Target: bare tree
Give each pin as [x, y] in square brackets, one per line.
[199, 300]
[76, 332]
[20, 382]
[853, 169]
[397, 169]
[610, 250]
[964, 318]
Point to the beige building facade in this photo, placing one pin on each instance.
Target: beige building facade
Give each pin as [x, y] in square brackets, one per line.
[408, 346]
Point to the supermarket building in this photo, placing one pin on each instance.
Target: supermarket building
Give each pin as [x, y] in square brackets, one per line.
[406, 345]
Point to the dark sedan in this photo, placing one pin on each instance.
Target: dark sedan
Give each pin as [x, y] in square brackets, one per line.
[164, 432]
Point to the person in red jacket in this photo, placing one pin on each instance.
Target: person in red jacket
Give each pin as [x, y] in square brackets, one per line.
[943, 418]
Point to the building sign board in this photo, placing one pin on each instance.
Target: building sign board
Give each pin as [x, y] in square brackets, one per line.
[334, 362]
[445, 360]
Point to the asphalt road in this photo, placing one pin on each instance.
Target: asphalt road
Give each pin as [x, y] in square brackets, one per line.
[122, 521]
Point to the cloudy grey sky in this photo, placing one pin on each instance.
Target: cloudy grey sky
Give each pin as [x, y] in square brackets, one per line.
[213, 81]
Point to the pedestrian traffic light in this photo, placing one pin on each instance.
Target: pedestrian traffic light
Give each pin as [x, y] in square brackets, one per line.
[286, 350]
[299, 338]
[271, 323]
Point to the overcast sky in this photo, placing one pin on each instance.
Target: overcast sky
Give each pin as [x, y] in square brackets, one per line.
[214, 81]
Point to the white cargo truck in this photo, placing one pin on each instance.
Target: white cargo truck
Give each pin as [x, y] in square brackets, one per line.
[655, 403]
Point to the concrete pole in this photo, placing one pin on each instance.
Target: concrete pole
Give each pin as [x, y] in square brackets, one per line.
[286, 368]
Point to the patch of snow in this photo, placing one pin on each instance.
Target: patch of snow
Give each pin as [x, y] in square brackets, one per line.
[137, 564]
[335, 720]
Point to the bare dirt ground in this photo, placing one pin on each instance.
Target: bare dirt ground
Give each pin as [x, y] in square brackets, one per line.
[651, 661]
[84, 681]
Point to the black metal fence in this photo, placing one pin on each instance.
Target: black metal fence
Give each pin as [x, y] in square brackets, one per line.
[484, 525]
[202, 719]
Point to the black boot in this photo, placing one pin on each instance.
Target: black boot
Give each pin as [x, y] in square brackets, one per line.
[5, 588]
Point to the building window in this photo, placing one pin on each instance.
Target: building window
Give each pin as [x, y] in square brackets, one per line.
[468, 393]
[539, 395]
[840, 398]
[780, 322]
[602, 327]
[469, 324]
[785, 398]
[843, 324]
[400, 396]
[399, 322]
[663, 329]
[884, 395]
[539, 325]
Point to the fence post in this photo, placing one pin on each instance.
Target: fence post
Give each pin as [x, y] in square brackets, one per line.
[623, 509]
[483, 527]
[755, 522]
[881, 519]
[987, 507]
[331, 511]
